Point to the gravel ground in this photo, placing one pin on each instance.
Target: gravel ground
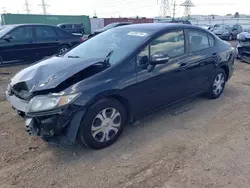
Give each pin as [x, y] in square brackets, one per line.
[200, 143]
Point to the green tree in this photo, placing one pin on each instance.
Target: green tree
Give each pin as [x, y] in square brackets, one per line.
[236, 15]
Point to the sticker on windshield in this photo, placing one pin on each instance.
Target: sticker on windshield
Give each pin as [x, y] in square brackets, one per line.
[138, 34]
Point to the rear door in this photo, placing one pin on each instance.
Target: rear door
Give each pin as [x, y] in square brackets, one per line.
[20, 48]
[199, 65]
[46, 40]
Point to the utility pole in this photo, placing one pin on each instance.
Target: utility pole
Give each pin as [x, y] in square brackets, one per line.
[27, 7]
[174, 10]
[187, 5]
[4, 10]
[44, 7]
[165, 8]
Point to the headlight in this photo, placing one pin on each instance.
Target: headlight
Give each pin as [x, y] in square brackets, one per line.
[238, 36]
[49, 102]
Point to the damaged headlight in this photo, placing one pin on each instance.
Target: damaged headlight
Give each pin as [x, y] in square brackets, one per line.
[49, 102]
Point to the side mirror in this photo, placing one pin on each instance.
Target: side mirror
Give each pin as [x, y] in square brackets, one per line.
[159, 58]
[7, 37]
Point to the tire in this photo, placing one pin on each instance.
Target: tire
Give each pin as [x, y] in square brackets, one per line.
[216, 88]
[98, 132]
[230, 37]
[62, 49]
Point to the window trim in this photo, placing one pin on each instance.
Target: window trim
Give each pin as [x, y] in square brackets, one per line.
[209, 35]
[189, 44]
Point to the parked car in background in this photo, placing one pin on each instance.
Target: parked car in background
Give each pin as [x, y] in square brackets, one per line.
[120, 75]
[207, 27]
[243, 46]
[175, 21]
[214, 27]
[72, 28]
[109, 26]
[29, 42]
[228, 32]
[180, 21]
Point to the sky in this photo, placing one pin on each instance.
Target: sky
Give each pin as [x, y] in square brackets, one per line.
[125, 8]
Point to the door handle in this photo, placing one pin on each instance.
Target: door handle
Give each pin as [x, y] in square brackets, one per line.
[182, 66]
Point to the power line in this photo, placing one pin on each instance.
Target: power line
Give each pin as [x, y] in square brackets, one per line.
[187, 4]
[165, 8]
[27, 7]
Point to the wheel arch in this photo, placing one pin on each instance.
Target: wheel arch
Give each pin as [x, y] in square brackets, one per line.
[226, 69]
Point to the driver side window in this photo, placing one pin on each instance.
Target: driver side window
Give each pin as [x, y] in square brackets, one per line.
[172, 43]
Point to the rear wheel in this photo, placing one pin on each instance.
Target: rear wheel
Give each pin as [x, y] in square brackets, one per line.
[103, 124]
[63, 49]
[218, 84]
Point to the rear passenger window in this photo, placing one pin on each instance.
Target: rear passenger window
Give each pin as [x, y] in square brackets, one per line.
[211, 40]
[44, 32]
[198, 40]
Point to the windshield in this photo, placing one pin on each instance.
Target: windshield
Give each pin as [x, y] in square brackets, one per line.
[109, 26]
[4, 30]
[121, 41]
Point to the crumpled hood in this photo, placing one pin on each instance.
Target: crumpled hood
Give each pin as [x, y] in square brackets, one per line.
[49, 73]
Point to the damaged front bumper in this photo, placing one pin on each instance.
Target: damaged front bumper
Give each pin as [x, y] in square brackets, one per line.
[57, 126]
[243, 52]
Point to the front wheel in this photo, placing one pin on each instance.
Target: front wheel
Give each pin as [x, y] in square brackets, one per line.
[103, 124]
[218, 84]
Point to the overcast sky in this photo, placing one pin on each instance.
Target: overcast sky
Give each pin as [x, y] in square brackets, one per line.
[107, 8]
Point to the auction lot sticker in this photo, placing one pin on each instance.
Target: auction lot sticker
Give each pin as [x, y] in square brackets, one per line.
[138, 34]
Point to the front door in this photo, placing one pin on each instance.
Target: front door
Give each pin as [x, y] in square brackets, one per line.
[161, 84]
[20, 47]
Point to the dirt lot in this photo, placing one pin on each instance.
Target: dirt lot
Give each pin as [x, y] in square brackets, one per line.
[201, 143]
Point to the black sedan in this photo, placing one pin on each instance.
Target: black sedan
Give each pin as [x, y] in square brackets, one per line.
[93, 90]
[29, 42]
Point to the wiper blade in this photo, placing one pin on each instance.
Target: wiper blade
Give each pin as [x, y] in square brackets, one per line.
[106, 61]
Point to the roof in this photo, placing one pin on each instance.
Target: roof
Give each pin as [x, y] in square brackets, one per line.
[28, 24]
[154, 27]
